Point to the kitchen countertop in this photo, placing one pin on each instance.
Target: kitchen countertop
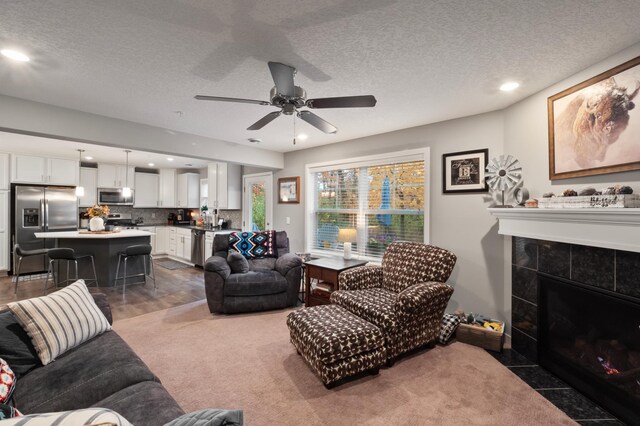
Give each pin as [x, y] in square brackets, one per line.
[125, 233]
[142, 225]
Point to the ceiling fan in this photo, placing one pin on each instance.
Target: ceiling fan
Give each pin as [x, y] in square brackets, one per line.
[290, 98]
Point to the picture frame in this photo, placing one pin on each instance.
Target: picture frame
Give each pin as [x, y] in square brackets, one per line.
[594, 128]
[289, 190]
[464, 172]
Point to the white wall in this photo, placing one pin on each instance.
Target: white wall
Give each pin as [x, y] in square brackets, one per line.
[526, 134]
[19, 115]
[459, 223]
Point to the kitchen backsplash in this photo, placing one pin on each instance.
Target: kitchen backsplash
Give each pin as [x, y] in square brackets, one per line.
[147, 215]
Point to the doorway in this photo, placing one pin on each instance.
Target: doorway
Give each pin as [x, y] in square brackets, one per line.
[257, 197]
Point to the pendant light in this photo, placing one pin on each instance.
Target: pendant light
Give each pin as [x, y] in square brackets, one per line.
[80, 189]
[126, 191]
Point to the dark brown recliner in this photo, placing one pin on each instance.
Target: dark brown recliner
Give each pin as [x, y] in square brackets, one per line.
[271, 283]
[405, 297]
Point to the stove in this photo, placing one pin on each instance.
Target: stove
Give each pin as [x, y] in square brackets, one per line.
[121, 221]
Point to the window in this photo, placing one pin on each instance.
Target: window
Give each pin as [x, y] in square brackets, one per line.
[370, 202]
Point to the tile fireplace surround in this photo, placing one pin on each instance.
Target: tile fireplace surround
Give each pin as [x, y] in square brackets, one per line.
[605, 268]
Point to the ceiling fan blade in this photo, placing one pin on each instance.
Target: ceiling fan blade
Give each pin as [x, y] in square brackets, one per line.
[222, 99]
[264, 120]
[283, 78]
[317, 122]
[364, 101]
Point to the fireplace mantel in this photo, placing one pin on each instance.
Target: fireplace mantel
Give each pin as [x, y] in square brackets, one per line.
[614, 228]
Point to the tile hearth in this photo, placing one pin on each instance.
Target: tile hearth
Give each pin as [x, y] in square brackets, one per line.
[571, 402]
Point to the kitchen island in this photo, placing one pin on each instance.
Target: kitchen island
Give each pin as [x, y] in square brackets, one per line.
[105, 249]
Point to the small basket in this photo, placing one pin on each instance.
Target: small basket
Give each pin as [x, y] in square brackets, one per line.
[480, 336]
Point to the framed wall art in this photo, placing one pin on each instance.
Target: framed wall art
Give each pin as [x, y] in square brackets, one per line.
[289, 190]
[464, 172]
[594, 127]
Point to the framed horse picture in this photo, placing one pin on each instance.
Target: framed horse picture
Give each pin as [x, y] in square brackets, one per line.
[594, 127]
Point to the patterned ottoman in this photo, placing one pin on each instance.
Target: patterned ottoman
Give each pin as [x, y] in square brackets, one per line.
[335, 343]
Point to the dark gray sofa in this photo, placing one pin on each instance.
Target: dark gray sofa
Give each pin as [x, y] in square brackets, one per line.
[271, 283]
[103, 372]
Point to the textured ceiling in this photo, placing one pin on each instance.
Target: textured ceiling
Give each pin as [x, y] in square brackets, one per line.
[425, 61]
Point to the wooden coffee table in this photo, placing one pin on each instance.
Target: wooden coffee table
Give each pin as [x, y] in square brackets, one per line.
[325, 271]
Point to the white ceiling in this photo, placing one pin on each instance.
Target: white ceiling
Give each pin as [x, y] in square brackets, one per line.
[425, 61]
[44, 147]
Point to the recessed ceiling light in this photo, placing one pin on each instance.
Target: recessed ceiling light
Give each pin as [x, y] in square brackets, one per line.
[88, 157]
[509, 86]
[302, 137]
[151, 164]
[14, 55]
[254, 140]
[169, 159]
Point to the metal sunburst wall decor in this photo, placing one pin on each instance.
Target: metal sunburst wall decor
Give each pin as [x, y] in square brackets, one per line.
[503, 174]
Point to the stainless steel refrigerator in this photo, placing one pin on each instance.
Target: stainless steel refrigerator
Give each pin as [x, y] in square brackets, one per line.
[41, 209]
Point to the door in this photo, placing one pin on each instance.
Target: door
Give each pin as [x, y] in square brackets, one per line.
[4, 172]
[257, 214]
[61, 209]
[4, 230]
[29, 169]
[146, 190]
[89, 181]
[107, 176]
[62, 172]
[167, 188]
[29, 219]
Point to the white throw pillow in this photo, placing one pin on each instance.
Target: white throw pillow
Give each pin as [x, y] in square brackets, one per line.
[61, 320]
[85, 417]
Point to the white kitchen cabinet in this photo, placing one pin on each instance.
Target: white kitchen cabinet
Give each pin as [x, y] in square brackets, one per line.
[208, 245]
[167, 188]
[162, 240]
[183, 243]
[146, 194]
[115, 176]
[4, 230]
[33, 169]
[173, 241]
[4, 171]
[89, 181]
[152, 231]
[188, 194]
[63, 171]
[225, 186]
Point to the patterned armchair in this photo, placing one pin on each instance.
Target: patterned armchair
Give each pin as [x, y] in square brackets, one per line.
[405, 297]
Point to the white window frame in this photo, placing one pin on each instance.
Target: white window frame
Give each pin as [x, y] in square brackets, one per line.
[420, 154]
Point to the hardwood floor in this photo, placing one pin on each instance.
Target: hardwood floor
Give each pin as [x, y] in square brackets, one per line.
[175, 288]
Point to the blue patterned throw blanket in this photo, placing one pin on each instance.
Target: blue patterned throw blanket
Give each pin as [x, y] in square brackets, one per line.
[253, 245]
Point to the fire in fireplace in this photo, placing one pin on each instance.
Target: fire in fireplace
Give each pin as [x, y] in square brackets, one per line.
[590, 338]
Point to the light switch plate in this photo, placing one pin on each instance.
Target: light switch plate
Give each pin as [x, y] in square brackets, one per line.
[288, 220]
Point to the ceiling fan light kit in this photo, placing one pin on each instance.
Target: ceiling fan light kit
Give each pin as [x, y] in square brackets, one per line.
[290, 98]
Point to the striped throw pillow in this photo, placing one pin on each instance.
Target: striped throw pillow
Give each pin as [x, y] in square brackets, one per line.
[86, 417]
[61, 320]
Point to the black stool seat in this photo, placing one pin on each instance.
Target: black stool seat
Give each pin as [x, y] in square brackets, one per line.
[19, 254]
[26, 253]
[68, 255]
[133, 251]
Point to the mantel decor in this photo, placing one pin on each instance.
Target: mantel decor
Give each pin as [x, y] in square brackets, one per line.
[593, 126]
[464, 172]
[289, 190]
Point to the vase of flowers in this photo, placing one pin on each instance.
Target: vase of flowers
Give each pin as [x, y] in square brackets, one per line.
[97, 213]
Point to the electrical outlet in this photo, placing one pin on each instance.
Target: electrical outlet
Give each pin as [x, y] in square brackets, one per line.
[288, 220]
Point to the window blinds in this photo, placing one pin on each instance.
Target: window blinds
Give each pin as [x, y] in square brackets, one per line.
[383, 203]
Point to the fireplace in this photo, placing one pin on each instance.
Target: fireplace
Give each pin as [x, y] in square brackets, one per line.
[590, 337]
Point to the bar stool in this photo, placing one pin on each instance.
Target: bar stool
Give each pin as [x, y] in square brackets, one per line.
[21, 254]
[134, 251]
[68, 254]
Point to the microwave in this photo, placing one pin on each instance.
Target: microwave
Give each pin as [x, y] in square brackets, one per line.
[114, 197]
